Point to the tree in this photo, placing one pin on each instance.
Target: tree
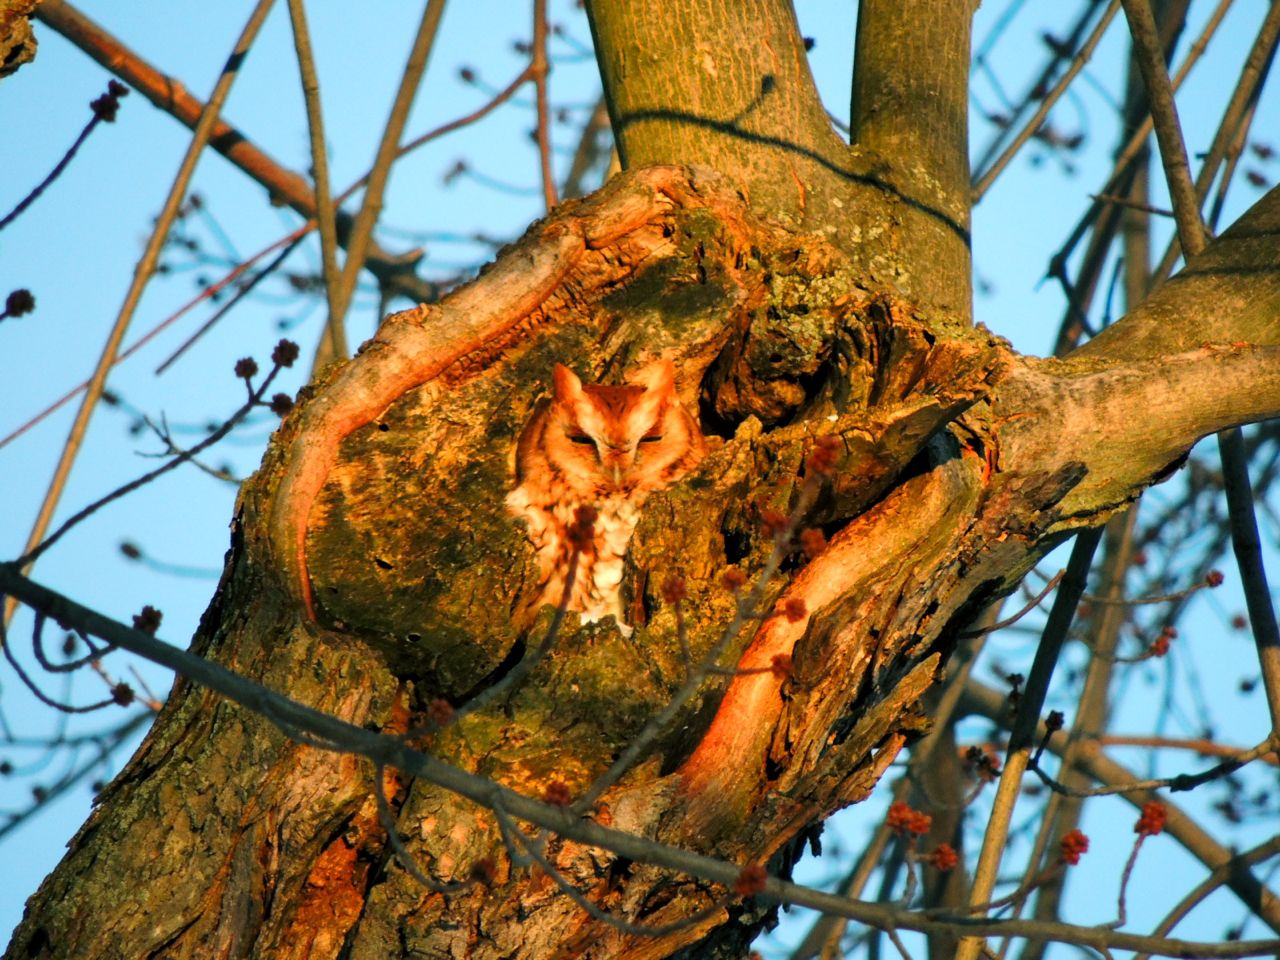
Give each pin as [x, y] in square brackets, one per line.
[883, 471]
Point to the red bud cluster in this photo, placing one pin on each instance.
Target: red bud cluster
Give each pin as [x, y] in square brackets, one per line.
[1074, 844]
[1152, 820]
[904, 819]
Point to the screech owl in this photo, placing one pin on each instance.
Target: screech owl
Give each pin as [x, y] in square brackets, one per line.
[608, 447]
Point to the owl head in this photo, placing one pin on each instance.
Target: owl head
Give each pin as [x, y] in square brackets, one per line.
[619, 440]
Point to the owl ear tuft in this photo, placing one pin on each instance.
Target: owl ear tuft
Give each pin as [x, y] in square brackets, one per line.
[565, 384]
[657, 377]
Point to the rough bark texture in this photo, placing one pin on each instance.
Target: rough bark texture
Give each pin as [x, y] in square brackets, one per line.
[17, 41]
[683, 88]
[374, 570]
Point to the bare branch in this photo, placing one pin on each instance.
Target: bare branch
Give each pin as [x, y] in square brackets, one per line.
[204, 129]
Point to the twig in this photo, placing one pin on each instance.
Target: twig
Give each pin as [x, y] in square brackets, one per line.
[744, 611]
[1122, 177]
[1041, 82]
[1253, 572]
[141, 274]
[170, 95]
[588, 152]
[34, 688]
[827, 930]
[1235, 118]
[290, 239]
[984, 701]
[104, 111]
[255, 399]
[106, 742]
[156, 331]
[528, 662]
[243, 290]
[532, 848]
[172, 449]
[1031, 127]
[1120, 201]
[1122, 913]
[1206, 748]
[336, 334]
[1180, 782]
[1219, 876]
[1022, 735]
[1232, 160]
[1010, 621]
[1164, 116]
[402, 854]
[380, 173]
[540, 68]
[1146, 601]
[1191, 235]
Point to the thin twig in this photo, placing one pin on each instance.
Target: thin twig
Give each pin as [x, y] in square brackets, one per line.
[104, 110]
[141, 274]
[169, 94]
[531, 660]
[155, 331]
[587, 153]
[1235, 116]
[1206, 748]
[289, 239]
[532, 848]
[1219, 876]
[992, 704]
[1123, 175]
[1122, 913]
[402, 854]
[1032, 126]
[255, 399]
[1041, 81]
[1119, 201]
[380, 173]
[827, 930]
[744, 611]
[1010, 621]
[1147, 601]
[336, 338]
[1022, 735]
[1192, 237]
[1164, 116]
[541, 67]
[243, 290]
[106, 742]
[1253, 572]
[1180, 782]
[29, 682]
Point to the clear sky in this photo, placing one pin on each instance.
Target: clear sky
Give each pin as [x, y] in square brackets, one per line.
[77, 246]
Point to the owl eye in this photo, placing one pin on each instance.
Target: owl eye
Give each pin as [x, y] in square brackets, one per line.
[651, 438]
[580, 438]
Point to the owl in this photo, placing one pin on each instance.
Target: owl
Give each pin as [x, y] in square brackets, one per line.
[605, 447]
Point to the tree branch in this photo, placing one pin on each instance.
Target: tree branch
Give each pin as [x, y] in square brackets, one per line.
[169, 94]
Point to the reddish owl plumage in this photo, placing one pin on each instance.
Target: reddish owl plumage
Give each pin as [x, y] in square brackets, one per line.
[607, 447]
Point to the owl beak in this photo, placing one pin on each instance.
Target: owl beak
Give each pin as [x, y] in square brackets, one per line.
[617, 475]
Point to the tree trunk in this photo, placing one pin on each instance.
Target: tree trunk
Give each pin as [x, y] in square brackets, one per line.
[375, 572]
